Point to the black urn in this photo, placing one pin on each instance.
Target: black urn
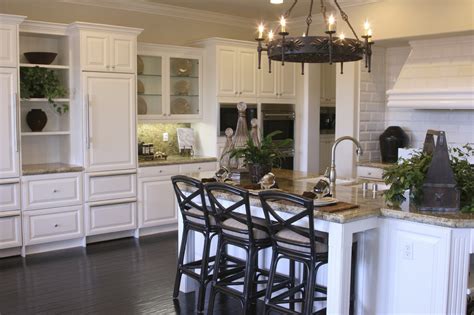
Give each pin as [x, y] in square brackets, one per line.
[390, 140]
[36, 120]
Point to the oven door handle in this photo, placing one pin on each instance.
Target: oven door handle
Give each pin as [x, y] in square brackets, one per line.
[291, 116]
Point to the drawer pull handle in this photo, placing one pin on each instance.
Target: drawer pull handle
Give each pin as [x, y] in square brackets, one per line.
[56, 225]
[370, 173]
[161, 171]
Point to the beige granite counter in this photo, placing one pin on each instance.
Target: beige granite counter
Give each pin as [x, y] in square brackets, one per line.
[376, 164]
[50, 168]
[176, 159]
[369, 205]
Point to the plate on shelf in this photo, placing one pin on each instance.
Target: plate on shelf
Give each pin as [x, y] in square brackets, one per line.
[142, 106]
[140, 87]
[180, 106]
[182, 87]
[140, 65]
[183, 67]
[325, 201]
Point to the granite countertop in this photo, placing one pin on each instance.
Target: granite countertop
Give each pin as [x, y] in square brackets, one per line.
[176, 159]
[369, 205]
[50, 168]
[376, 164]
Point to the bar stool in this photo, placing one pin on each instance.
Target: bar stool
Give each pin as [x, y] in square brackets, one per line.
[295, 243]
[243, 231]
[196, 217]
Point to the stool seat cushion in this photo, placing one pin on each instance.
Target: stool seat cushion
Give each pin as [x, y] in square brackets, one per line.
[212, 219]
[257, 233]
[287, 234]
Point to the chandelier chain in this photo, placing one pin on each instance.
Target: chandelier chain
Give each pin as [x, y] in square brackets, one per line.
[309, 19]
[323, 10]
[345, 17]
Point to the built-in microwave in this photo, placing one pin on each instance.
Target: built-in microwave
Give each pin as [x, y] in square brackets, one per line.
[228, 115]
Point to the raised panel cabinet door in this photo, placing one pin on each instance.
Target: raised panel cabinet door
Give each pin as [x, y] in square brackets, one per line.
[227, 71]
[95, 51]
[9, 151]
[110, 121]
[110, 218]
[8, 45]
[288, 80]
[123, 54]
[268, 86]
[158, 205]
[248, 72]
[10, 231]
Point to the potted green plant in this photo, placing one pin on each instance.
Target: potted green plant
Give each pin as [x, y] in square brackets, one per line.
[261, 159]
[409, 175]
[36, 82]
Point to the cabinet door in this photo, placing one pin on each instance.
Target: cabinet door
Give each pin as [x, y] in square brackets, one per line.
[9, 156]
[8, 46]
[95, 51]
[123, 54]
[287, 80]
[10, 231]
[268, 86]
[185, 87]
[110, 218]
[248, 72]
[157, 202]
[227, 71]
[110, 121]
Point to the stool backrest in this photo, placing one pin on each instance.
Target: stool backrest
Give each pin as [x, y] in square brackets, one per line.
[190, 196]
[303, 212]
[240, 198]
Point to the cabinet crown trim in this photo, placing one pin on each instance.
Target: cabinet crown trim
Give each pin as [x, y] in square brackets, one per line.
[11, 19]
[81, 26]
[50, 28]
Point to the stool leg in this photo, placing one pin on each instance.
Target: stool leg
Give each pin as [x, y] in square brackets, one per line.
[212, 296]
[179, 273]
[248, 279]
[271, 277]
[203, 275]
[309, 290]
[292, 282]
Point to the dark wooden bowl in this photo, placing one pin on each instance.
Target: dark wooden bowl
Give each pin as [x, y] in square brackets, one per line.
[41, 58]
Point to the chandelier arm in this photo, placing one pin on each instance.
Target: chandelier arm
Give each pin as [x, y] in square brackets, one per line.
[323, 11]
[345, 17]
[288, 12]
[309, 19]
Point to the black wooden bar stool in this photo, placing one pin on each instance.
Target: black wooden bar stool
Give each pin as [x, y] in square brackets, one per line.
[196, 217]
[294, 243]
[245, 232]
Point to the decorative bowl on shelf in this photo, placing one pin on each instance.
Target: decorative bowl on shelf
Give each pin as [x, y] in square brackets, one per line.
[140, 87]
[180, 106]
[182, 87]
[142, 107]
[41, 58]
[140, 65]
[182, 67]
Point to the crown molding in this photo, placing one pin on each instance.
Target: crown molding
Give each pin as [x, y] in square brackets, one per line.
[30, 26]
[104, 27]
[11, 19]
[143, 6]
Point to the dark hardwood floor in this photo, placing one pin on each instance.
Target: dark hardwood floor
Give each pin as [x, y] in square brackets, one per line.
[125, 276]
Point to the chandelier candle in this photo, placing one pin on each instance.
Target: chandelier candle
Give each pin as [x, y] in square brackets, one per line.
[309, 48]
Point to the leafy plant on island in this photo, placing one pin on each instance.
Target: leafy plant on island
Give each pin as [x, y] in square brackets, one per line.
[36, 82]
[268, 153]
[410, 174]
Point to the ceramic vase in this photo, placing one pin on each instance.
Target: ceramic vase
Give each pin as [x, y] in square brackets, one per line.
[36, 120]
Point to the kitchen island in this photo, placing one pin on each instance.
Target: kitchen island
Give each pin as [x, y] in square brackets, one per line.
[406, 262]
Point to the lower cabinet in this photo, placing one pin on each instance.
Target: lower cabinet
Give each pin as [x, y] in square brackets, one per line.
[157, 202]
[108, 218]
[10, 231]
[43, 226]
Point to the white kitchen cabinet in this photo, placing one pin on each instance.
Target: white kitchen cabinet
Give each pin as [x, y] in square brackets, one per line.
[10, 230]
[102, 186]
[9, 195]
[280, 83]
[157, 204]
[108, 52]
[51, 225]
[9, 142]
[110, 217]
[236, 68]
[328, 84]
[9, 39]
[109, 121]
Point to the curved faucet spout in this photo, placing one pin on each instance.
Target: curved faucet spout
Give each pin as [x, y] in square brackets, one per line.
[332, 174]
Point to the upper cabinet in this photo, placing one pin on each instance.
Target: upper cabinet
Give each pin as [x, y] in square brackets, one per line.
[107, 49]
[280, 83]
[328, 84]
[169, 83]
[9, 39]
[236, 68]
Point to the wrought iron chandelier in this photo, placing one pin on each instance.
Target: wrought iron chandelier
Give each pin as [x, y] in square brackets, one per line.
[315, 49]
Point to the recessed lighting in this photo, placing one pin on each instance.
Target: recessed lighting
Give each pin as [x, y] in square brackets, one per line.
[276, 1]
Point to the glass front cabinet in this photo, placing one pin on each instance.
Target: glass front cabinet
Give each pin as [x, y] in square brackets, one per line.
[169, 83]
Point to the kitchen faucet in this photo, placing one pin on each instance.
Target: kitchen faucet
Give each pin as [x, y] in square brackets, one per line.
[332, 172]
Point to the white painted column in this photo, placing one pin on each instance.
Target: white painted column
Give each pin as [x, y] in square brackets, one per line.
[458, 270]
[347, 117]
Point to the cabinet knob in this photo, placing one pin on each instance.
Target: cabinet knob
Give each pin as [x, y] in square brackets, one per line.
[161, 171]
[55, 190]
[240, 93]
[56, 225]
[113, 67]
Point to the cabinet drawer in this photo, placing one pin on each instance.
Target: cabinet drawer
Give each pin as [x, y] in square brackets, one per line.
[154, 171]
[369, 172]
[10, 231]
[110, 218]
[198, 167]
[59, 224]
[52, 191]
[110, 187]
[10, 196]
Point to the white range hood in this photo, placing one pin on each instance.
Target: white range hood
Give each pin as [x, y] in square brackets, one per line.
[438, 74]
